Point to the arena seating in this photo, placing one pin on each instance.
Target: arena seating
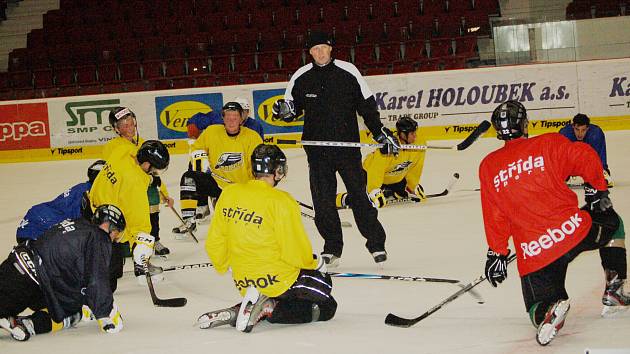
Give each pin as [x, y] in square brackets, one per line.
[162, 44]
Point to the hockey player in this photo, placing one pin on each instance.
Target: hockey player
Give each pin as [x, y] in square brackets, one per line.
[393, 176]
[330, 93]
[257, 231]
[124, 123]
[219, 155]
[582, 130]
[523, 196]
[67, 205]
[58, 273]
[124, 182]
[200, 121]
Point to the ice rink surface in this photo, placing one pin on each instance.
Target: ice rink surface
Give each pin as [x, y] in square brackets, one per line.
[441, 238]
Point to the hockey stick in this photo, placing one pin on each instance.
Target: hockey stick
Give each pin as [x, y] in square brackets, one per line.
[311, 217]
[172, 302]
[392, 277]
[443, 193]
[474, 135]
[180, 267]
[397, 321]
[188, 231]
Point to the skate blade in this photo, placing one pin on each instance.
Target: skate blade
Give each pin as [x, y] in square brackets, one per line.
[613, 311]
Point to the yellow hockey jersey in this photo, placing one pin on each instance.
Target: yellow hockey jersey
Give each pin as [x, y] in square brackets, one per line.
[257, 231]
[229, 156]
[383, 169]
[124, 184]
[131, 148]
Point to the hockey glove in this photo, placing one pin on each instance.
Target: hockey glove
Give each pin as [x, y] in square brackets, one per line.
[391, 144]
[496, 267]
[377, 198]
[608, 179]
[417, 193]
[143, 248]
[321, 264]
[284, 110]
[596, 201]
[113, 323]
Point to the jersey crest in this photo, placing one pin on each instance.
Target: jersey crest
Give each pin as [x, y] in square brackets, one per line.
[229, 160]
[400, 167]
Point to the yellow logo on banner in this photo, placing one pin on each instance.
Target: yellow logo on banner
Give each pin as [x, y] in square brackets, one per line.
[264, 112]
[176, 115]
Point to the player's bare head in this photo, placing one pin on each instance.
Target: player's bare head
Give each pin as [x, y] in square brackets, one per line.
[110, 219]
[269, 162]
[406, 128]
[232, 117]
[123, 120]
[580, 125]
[509, 119]
[320, 47]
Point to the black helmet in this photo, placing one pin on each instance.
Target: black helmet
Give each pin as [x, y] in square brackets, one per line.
[111, 213]
[406, 125]
[232, 106]
[509, 119]
[266, 159]
[119, 113]
[94, 169]
[155, 153]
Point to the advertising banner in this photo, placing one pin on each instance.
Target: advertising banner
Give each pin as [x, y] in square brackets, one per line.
[24, 126]
[263, 101]
[173, 112]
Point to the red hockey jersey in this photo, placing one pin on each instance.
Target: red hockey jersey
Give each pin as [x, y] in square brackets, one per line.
[524, 195]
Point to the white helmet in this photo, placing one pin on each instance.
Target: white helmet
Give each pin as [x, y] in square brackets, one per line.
[243, 102]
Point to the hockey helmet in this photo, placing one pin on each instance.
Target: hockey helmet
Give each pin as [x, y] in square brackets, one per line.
[243, 102]
[111, 213]
[94, 169]
[509, 119]
[266, 159]
[232, 106]
[119, 113]
[154, 152]
[406, 125]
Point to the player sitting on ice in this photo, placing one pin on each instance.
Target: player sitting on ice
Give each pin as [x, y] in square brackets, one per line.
[523, 196]
[392, 176]
[55, 275]
[257, 231]
[219, 157]
[67, 205]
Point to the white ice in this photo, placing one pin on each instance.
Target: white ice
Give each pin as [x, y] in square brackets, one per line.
[441, 238]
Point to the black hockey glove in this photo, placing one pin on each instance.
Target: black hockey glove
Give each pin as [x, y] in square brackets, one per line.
[391, 142]
[496, 267]
[596, 201]
[284, 110]
[157, 181]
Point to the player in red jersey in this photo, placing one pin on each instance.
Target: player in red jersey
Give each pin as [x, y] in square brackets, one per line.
[523, 196]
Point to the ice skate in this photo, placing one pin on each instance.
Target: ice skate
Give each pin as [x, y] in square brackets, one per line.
[20, 330]
[254, 308]
[203, 214]
[615, 300]
[219, 318]
[380, 258]
[156, 273]
[331, 260]
[553, 322]
[182, 230]
[160, 250]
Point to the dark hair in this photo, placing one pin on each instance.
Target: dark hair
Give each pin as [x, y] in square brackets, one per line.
[581, 119]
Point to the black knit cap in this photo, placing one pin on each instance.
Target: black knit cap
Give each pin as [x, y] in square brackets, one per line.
[318, 38]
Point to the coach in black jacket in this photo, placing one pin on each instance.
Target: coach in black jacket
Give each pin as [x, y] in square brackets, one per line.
[64, 269]
[330, 93]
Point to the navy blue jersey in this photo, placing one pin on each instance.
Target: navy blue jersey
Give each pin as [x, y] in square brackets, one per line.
[42, 217]
[204, 120]
[594, 137]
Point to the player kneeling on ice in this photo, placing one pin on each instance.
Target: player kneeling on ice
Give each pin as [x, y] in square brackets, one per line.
[523, 195]
[257, 231]
[55, 275]
[390, 176]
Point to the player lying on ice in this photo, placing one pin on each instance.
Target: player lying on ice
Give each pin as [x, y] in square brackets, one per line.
[524, 196]
[268, 252]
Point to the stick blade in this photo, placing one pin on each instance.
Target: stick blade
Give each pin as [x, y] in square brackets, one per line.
[395, 321]
[481, 128]
[174, 302]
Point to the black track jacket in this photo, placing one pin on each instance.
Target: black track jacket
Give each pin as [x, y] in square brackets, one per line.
[73, 268]
[330, 97]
